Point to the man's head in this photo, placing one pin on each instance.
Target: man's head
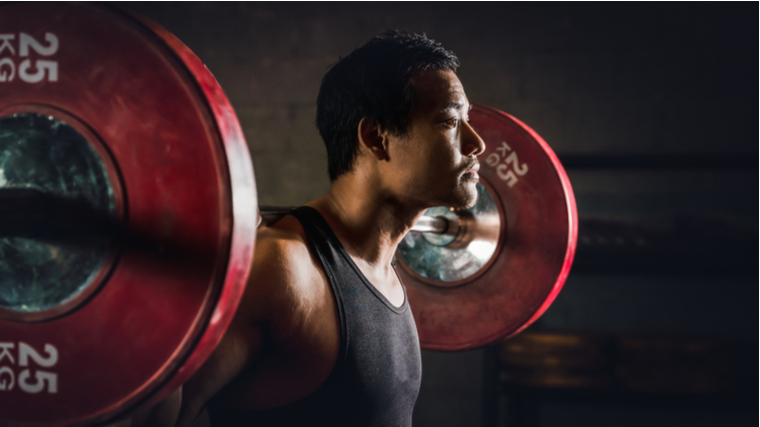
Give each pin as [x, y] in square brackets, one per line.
[374, 82]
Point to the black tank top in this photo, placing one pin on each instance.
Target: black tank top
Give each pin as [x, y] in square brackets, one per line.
[376, 378]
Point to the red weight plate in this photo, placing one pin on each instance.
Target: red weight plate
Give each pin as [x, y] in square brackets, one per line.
[183, 179]
[537, 242]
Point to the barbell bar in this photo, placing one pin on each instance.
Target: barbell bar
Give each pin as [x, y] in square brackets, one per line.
[425, 224]
[34, 214]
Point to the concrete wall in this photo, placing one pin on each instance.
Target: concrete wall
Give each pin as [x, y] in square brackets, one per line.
[590, 78]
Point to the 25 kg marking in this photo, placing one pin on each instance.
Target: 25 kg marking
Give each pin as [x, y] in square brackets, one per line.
[25, 43]
[26, 352]
[503, 170]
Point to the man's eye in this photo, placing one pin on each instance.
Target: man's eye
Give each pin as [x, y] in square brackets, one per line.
[451, 123]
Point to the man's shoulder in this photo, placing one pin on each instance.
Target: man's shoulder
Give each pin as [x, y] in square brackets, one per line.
[282, 246]
[284, 272]
[292, 289]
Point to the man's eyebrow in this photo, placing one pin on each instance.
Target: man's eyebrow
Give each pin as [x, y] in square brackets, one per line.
[454, 106]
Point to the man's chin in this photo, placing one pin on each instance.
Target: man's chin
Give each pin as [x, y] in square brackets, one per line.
[466, 197]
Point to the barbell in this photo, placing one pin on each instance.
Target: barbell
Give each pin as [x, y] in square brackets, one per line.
[128, 220]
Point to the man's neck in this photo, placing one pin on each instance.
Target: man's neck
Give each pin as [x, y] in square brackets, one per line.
[368, 223]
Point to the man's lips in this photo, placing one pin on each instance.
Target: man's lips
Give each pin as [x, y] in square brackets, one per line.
[472, 169]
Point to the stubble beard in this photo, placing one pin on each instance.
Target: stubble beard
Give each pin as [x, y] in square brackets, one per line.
[465, 196]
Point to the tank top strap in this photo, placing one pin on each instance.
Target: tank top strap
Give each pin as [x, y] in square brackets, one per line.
[324, 244]
[318, 232]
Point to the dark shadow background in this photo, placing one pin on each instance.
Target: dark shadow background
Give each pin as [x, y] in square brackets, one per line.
[653, 109]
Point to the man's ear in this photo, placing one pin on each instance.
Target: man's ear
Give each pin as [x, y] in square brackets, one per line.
[373, 139]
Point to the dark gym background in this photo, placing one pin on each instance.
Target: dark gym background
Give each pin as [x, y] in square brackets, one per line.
[652, 108]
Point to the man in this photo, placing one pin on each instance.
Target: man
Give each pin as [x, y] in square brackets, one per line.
[324, 334]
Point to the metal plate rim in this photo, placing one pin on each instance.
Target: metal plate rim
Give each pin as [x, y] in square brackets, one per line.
[242, 187]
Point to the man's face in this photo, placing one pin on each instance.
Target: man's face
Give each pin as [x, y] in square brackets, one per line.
[435, 163]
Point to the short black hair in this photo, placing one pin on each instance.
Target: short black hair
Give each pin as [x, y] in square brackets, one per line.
[374, 81]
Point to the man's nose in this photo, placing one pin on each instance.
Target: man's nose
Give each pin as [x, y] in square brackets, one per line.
[472, 144]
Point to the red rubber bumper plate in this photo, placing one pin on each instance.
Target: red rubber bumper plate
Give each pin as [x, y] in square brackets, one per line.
[179, 176]
[537, 233]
